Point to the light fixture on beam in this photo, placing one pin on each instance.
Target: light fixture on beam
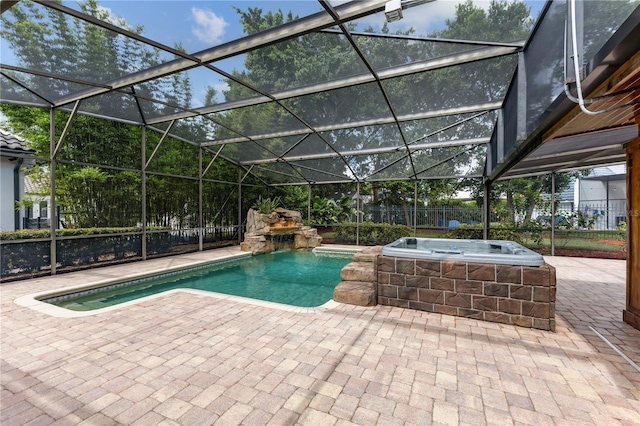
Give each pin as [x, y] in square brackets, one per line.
[393, 8]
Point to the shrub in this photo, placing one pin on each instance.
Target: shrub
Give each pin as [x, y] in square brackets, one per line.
[501, 231]
[267, 205]
[370, 233]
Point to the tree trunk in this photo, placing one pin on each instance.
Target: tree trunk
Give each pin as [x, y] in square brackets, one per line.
[510, 208]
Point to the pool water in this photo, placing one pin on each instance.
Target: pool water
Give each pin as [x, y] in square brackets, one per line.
[298, 278]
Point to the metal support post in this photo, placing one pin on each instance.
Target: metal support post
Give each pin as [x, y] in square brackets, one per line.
[200, 200]
[239, 204]
[358, 214]
[553, 213]
[52, 189]
[143, 189]
[309, 204]
[415, 207]
[486, 210]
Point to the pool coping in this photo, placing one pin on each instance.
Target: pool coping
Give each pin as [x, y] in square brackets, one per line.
[35, 300]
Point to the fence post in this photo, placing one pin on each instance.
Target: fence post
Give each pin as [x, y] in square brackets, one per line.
[358, 214]
[415, 207]
[553, 213]
[486, 213]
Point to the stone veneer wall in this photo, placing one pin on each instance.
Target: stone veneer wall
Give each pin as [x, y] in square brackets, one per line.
[518, 295]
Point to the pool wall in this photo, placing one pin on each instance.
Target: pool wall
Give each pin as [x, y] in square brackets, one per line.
[508, 294]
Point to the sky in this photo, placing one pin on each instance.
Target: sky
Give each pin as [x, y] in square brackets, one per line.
[199, 25]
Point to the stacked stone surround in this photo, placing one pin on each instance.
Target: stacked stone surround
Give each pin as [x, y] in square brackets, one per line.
[518, 295]
[359, 279]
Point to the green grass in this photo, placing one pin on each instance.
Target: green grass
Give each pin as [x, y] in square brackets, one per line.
[574, 244]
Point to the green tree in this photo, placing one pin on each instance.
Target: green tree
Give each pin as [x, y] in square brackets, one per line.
[522, 195]
[91, 188]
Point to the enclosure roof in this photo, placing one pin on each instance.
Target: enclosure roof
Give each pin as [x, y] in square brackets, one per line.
[332, 95]
[579, 138]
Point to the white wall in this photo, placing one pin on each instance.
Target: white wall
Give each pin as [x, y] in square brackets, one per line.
[592, 190]
[7, 209]
[593, 198]
[596, 191]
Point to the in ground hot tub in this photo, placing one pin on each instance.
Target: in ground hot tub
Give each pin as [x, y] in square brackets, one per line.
[482, 251]
[490, 280]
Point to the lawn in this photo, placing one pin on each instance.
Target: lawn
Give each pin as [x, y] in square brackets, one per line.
[578, 244]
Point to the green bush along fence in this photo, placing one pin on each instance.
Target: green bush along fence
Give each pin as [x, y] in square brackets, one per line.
[370, 233]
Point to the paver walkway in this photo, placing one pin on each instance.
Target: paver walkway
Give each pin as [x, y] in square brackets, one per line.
[191, 359]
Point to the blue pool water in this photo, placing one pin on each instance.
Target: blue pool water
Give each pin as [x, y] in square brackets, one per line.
[298, 278]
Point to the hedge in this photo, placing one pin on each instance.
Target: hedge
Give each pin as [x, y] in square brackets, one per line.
[500, 231]
[370, 233]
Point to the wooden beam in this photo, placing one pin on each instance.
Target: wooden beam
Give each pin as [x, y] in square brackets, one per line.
[631, 314]
[619, 80]
[6, 5]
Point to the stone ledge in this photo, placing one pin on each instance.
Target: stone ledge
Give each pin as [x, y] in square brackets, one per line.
[356, 293]
[358, 271]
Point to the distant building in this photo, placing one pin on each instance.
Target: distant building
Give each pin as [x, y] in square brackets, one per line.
[602, 195]
[13, 150]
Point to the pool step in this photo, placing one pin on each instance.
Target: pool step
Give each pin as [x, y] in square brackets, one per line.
[359, 271]
[356, 293]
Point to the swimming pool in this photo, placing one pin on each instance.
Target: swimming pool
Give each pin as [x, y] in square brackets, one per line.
[298, 278]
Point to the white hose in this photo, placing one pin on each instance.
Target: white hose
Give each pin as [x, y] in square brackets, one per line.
[576, 63]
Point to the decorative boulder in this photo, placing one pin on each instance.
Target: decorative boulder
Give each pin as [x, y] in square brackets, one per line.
[281, 228]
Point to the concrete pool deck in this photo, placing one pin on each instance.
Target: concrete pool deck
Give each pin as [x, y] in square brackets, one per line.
[185, 358]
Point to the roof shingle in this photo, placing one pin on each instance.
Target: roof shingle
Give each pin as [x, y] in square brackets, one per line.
[9, 141]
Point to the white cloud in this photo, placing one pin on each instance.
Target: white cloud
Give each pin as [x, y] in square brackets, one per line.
[107, 15]
[209, 27]
[221, 87]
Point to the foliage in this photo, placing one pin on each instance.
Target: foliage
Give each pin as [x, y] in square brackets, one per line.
[323, 211]
[370, 233]
[293, 197]
[99, 196]
[267, 205]
[500, 231]
[29, 234]
[97, 175]
[344, 208]
[523, 195]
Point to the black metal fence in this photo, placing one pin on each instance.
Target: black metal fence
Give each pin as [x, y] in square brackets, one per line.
[587, 216]
[27, 258]
[440, 217]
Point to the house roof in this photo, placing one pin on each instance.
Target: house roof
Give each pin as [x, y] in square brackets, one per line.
[10, 143]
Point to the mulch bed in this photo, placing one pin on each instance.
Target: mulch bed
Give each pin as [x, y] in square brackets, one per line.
[599, 254]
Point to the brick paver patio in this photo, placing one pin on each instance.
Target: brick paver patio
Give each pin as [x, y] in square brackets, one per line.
[188, 358]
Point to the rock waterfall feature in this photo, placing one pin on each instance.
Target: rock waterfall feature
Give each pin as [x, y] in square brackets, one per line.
[281, 229]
